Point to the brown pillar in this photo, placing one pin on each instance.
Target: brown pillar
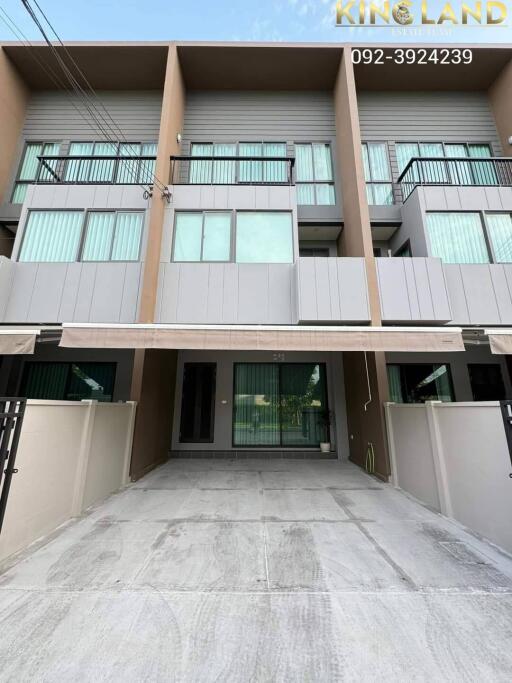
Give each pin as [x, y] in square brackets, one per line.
[171, 123]
[14, 96]
[500, 96]
[153, 383]
[154, 371]
[365, 413]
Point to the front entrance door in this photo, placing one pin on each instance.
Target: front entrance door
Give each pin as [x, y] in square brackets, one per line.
[198, 403]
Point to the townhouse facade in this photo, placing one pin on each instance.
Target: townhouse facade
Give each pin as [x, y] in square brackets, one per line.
[261, 245]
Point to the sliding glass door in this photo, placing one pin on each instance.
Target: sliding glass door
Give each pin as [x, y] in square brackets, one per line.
[279, 405]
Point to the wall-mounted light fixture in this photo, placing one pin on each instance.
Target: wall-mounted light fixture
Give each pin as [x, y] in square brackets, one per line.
[510, 140]
[178, 138]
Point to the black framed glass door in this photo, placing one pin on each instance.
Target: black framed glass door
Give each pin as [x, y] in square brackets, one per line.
[279, 405]
[198, 403]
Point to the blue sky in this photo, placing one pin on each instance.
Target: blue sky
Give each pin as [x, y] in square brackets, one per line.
[266, 20]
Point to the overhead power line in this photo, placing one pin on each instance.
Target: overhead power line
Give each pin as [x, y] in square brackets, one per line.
[98, 118]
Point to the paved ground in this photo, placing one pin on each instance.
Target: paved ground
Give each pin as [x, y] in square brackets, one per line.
[211, 570]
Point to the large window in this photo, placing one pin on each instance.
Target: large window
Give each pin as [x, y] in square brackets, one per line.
[259, 236]
[280, 405]
[56, 236]
[68, 381]
[227, 172]
[29, 168]
[203, 236]
[112, 236]
[457, 237]
[314, 174]
[417, 383]
[52, 236]
[456, 172]
[379, 189]
[130, 169]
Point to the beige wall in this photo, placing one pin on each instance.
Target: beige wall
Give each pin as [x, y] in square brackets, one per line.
[454, 457]
[71, 455]
[500, 95]
[13, 102]
[171, 123]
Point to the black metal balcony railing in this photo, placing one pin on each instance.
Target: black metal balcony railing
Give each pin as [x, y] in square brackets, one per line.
[231, 170]
[476, 172]
[95, 170]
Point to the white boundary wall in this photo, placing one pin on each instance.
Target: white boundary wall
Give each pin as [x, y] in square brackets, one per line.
[454, 457]
[71, 454]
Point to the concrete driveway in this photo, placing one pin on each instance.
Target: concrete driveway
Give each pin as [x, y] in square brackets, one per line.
[212, 570]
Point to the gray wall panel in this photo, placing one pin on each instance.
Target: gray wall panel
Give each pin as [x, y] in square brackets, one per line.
[473, 292]
[332, 290]
[255, 115]
[52, 115]
[413, 290]
[24, 277]
[47, 293]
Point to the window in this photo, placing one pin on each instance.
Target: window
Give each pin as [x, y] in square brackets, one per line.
[456, 172]
[499, 228]
[264, 237]
[112, 236]
[202, 236]
[280, 405]
[379, 189]
[420, 383]
[55, 236]
[260, 236]
[131, 171]
[68, 381]
[314, 174]
[457, 237]
[30, 167]
[52, 236]
[486, 382]
[226, 172]
[404, 251]
[314, 252]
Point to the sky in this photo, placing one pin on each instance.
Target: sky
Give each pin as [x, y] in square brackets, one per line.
[229, 20]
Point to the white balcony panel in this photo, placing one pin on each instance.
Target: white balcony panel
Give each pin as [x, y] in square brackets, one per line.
[480, 294]
[413, 290]
[332, 290]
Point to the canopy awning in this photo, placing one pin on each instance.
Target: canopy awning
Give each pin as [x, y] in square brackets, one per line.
[16, 341]
[262, 337]
[500, 340]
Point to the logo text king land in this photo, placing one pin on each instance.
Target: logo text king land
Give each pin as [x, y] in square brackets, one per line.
[367, 13]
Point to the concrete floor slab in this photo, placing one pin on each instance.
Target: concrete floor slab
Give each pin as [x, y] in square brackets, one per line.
[202, 572]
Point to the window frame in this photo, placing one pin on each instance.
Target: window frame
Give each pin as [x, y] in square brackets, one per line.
[233, 235]
[203, 212]
[83, 236]
[85, 218]
[315, 182]
[17, 180]
[433, 364]
[444, 143]
[115, 169]
[237, 159]
[69, 363]
[372, 182]
[487, 233]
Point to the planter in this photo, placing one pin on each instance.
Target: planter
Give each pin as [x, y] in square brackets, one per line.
[325, 447]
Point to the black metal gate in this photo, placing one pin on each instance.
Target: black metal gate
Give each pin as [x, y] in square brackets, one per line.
[12, 411]
[506, 412]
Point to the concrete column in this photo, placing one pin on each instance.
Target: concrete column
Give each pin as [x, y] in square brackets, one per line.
[14, 96]
[366, 423]
[171, 123]
[500, 97]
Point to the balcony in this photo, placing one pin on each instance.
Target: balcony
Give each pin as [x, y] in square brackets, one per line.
[231, 170]
[458, 171]
[93, 170]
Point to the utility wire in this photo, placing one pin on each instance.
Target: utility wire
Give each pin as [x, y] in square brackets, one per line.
[97, 117]
[18, 33]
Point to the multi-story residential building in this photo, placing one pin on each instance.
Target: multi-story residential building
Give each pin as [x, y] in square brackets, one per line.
[322, 237]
